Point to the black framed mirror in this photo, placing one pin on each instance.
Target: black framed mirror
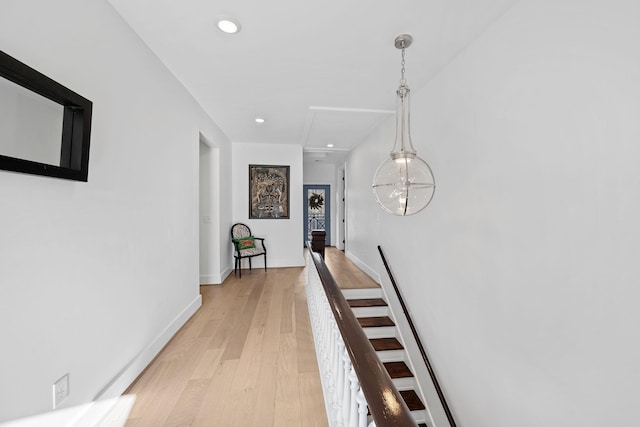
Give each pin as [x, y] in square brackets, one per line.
[45, 128]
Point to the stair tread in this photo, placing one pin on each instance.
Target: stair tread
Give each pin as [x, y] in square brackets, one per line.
[367, 302]
[369, 322]
[398, 370]
[381, 344]
[412, 400]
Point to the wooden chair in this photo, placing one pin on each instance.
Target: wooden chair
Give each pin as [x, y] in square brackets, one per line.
[245, 245]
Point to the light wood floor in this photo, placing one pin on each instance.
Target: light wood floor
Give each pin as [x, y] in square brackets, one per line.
[347, 275]
[246, 358]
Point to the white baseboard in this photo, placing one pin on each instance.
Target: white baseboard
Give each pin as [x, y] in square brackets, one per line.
[364, 267]
[225, 273]
[287, 262]
[130, 372]
[211, 279]
[258, 263]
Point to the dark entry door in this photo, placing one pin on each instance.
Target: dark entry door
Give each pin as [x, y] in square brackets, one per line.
[317, 211]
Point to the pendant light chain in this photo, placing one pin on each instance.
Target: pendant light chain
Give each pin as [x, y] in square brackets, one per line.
[403, 81]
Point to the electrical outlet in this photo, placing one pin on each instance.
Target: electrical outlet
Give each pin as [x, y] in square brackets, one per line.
[60, 390]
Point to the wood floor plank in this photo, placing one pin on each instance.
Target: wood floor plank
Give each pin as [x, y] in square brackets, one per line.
[273, 326]
[306, 354]
[216, 396]
[249, 363]
[233, 350]
[208, 364]
[312, 401]
[147, 387]
[158, 409]
[287, 410]
[263, 414]
[183, 413]
[286, 322]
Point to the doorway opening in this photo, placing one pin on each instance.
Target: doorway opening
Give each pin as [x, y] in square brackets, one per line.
[209, 207]
[317, 211]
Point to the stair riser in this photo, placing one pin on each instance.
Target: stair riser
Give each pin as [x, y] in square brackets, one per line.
[405, 383]
[370, 311]
[362, 293]
[420, 416]
[380, 332]
[391, 355]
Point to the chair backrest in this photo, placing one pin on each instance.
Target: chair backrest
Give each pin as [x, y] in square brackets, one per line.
[240, 230]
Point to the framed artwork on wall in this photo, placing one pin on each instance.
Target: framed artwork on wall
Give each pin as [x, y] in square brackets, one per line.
[268, 192]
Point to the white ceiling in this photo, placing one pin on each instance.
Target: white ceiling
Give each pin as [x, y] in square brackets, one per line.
[319, 72]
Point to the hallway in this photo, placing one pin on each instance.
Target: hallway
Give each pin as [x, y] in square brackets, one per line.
[246, 358]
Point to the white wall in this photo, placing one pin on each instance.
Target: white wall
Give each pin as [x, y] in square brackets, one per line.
[325, 174]
[96, 276]
[522, 275]
[283, 236]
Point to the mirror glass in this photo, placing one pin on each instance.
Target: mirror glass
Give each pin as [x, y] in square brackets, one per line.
[30, 125]
[45, 128]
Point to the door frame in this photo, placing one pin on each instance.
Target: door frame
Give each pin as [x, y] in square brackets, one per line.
[327, 210]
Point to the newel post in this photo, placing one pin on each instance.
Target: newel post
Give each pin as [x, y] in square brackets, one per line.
[318, 238]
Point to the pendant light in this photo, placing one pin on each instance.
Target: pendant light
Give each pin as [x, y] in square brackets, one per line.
[403, 183]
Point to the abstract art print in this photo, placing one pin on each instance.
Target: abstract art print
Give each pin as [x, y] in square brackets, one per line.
[268, 192]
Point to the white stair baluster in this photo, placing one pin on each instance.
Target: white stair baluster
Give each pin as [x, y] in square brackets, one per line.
[341, 378]
[354, 386]
[362, 409]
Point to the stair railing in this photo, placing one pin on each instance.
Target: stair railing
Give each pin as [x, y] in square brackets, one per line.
[353, 378]
[423, 353]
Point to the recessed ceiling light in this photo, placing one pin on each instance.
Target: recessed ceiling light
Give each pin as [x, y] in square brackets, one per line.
[330, 145]
[259, 120]
[228, 26]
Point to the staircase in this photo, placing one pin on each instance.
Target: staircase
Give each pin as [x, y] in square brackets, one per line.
[374, 317]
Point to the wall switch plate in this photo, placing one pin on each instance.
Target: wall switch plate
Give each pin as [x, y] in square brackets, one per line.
[60, 390]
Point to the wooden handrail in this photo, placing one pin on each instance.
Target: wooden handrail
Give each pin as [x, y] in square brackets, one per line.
[423, 352]
[387, 407]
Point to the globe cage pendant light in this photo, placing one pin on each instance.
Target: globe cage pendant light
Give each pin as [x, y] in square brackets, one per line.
[403, 184]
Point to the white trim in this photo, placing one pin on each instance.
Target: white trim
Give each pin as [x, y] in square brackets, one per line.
[258, 262]
[362, 293]
[225, 273]
[130, 372]
[210, 279]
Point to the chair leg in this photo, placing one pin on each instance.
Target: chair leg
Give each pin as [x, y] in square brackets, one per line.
[265, 262]
[249, 263]
[240, 268]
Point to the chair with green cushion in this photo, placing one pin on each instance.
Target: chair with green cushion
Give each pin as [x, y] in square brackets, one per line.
[245, 245]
